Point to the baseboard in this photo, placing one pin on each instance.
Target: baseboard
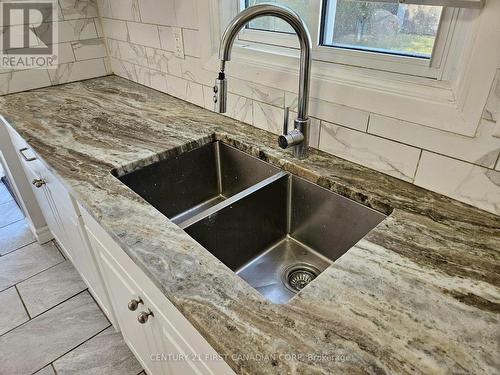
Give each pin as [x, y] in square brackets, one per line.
[42, 234]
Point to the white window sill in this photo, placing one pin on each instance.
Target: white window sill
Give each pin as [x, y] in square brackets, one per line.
[415, 99]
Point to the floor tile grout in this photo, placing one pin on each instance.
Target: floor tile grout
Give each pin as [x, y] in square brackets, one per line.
[75, 347]
[30, 318]
[35, 274]
[19, 248]
[22, 301]
[1, 204]
[109, 321]
[58, 247]
[74, 295]
[11, 199]
[6, 225]
[36, 316]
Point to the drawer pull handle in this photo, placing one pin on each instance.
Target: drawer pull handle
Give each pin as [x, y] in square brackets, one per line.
[144, 316]
[39, 182]
[134, 304]
[22, 151]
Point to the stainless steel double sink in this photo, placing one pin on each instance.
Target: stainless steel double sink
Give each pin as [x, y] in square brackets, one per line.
[274, 230]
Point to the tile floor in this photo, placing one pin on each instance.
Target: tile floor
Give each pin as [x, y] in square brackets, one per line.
[49, 323]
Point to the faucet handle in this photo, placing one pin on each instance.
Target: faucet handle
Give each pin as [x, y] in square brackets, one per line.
[285, 120]
[293, 137]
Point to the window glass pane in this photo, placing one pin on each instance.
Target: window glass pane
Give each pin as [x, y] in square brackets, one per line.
[381, 27]
[273, 23]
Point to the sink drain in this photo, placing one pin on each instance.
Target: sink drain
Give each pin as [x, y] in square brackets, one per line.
[297, 276]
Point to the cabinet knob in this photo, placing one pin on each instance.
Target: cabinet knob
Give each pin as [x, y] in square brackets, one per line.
[134, 304]
[144, 316]
[39, 182]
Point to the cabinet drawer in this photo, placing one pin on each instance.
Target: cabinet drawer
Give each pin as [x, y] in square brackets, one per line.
[28, 157]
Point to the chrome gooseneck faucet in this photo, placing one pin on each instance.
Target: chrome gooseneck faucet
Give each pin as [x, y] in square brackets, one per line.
[299, 136]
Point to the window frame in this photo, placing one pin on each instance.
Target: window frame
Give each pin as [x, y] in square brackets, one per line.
[454, 103]
[421, 67]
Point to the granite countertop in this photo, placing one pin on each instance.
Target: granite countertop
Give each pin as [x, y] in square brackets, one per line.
[419, 294]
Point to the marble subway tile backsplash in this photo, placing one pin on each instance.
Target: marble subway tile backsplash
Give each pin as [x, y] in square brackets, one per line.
[386, 156]
[81, 50]
[77, 30]
[191, 42]
[89, 49]
[481, 150]
[144, 53]
[76, 9]
[122, 10]
[493, 104]
[465, 182]
[22, 80]
[77, 71]
[140, 44]
[186, 14]
[268, 117]
[157, 12]
[331, 112]
[144, 34]
[115, 29]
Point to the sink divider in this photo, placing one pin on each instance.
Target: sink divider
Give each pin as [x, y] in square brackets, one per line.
[219, 206]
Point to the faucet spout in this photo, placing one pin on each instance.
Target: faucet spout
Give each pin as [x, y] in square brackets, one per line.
[301, 124]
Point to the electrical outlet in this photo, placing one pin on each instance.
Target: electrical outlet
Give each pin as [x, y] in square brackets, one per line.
[179, 42]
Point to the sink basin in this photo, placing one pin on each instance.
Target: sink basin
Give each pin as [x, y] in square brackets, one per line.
[276, 231]
[284, 234]
[196, 180]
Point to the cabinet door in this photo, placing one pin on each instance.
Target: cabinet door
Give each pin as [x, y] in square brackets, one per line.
[121, 290]
[85, 263]
[60, 203]
[174, 357]
[46, 206]
[64, 221]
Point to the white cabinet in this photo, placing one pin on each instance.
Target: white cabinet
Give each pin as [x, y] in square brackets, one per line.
[63, 219]
[121, 291]
[166, 343]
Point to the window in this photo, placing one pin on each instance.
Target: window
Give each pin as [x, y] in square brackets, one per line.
[272, 23]
[392, 28]
[385, 35]
[445, 91]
